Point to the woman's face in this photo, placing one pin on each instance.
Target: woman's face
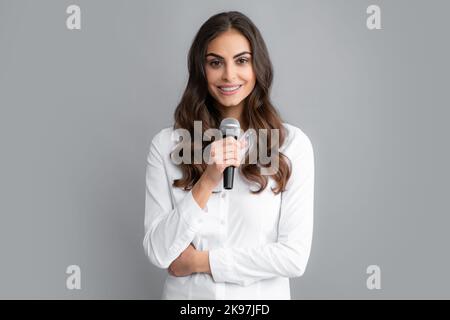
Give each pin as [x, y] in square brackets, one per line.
[229, 69]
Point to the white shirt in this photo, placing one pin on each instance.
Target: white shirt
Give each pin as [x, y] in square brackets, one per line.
[255, 242]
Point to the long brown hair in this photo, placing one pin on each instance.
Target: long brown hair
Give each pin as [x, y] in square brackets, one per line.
[259, 113]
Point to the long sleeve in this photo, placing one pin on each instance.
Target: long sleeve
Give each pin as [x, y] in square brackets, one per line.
[288, 256]
[169, 228]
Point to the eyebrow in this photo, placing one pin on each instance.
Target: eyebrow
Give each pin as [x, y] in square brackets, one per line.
[220, 57]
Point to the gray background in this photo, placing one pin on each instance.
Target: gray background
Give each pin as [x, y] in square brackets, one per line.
[79, 109]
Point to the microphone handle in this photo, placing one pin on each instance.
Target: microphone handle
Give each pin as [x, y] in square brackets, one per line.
[228, 175]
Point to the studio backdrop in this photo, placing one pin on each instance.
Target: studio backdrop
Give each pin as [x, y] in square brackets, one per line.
[81, 99]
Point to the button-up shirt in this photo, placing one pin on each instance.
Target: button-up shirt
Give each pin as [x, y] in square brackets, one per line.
[256, 242]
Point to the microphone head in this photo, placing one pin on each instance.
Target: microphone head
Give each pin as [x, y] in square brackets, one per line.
[230, 127]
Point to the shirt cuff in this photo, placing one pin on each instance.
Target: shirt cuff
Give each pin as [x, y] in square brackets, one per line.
[220, 263]
[191, 212]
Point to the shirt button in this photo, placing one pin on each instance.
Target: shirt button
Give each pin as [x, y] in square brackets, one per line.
[222, 221]
[223, 194]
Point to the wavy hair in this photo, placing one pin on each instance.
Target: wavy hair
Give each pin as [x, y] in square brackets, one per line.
[197, 104]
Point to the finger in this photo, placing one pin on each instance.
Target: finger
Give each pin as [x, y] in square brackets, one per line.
[219, 159]
[231, 147]
[228, 143]
[231, 153]
[229, 139]
[230, 157]
[242, 143]
[232, 162]
[224, 154]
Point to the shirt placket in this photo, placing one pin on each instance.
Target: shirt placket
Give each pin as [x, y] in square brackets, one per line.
[223, 223]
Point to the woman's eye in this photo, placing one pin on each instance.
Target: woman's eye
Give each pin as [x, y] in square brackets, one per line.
[217, 63]
[214, 63]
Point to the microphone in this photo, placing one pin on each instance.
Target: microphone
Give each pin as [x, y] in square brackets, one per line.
[229, 127]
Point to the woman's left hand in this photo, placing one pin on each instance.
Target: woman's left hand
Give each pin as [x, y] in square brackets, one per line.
[185, 264]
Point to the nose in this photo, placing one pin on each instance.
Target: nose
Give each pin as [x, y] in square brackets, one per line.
[229, 72]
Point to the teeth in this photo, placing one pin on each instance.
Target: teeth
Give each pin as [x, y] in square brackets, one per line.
[229, 89]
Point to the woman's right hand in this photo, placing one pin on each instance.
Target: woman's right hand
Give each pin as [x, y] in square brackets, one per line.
[223, 153]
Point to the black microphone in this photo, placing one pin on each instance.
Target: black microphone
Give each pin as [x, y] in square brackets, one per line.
[229, 127]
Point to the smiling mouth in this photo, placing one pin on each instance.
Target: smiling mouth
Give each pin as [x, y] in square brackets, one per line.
[230, 90]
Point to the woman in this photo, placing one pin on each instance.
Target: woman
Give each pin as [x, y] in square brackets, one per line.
[243, 243]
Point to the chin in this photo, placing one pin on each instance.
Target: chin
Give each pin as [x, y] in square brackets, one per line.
[230, 103]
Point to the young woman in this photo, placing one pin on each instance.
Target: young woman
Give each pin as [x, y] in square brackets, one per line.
[216, 243]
